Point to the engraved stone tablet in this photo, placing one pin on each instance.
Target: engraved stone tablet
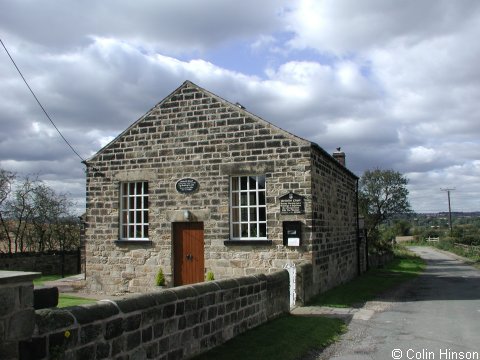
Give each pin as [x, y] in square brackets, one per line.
[187, 186]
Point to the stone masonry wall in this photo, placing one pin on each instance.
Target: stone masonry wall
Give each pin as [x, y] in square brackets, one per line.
[17, 316]
[194, 134]
[305, 288]
[169, 324]
[334, 223]
[46, 263]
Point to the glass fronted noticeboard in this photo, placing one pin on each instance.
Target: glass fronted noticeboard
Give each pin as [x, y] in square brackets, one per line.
[292, 233]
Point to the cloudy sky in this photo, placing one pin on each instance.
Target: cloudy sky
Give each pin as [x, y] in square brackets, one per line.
[395, 83]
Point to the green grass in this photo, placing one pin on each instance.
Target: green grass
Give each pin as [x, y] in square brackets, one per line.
[42, 279]
[470, 253]
[355, 293]
[65, 300]
[286, 338]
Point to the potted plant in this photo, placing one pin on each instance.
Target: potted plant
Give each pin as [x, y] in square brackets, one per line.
[160, 278]
[210, 276]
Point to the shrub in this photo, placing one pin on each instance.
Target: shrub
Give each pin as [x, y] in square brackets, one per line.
[160, 278]
[210, 276]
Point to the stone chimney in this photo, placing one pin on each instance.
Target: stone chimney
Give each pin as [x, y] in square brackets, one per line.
[339, 156]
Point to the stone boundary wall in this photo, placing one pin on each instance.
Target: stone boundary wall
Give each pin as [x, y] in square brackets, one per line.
[49, 263]
[171, 324]
[304, 285]
[17, 317]
[376, 260]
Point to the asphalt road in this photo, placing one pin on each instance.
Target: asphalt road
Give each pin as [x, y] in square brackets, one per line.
[435, 316]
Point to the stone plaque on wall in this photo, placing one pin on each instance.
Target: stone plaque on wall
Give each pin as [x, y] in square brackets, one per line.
[292, 204]
[186, 185]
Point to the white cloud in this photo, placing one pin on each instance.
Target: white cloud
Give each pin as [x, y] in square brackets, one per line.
[345, 27]
[421, 154]
[173, 26]
[396, 84]
[40, 129]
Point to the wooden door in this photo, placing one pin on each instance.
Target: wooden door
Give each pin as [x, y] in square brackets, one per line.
[188, 253]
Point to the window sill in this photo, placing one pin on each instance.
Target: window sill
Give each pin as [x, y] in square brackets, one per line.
[133, 242]
[247, 242]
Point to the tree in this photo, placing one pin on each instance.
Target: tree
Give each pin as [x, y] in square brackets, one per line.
[33, 217]
[6, 180]
[382, 195]
[54, 225]
[17, 214]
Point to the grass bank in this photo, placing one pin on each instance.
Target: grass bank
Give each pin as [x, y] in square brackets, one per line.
[355, 293]
[469, 252]
[472, 253]
[286, 338]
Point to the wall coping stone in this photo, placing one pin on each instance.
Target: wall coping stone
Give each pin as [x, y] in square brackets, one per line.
[184, 292]
[11, 277]
[206, 287]
[247, 280]
[53, 319]
[261, 277]
[164, 296]
[277, 276]
[228, 284]
[45, 297]
[144, 301]
[89, 313]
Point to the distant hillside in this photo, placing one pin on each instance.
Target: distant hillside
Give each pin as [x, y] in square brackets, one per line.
[456, 214]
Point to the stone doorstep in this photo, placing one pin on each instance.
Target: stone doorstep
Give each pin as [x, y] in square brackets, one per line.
[346, 314]
[341, 313]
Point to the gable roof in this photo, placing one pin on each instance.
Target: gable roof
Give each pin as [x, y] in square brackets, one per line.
[238, 107]
[190, 84]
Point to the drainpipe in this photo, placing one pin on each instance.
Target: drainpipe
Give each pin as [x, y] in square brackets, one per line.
[83, 245]
[359, 269]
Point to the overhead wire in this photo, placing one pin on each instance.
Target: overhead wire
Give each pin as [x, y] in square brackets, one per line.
[41, 106]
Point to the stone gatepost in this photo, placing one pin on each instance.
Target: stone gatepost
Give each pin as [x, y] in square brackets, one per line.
[17, 315]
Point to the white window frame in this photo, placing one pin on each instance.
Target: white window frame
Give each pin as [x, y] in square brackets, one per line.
[248, 208]
[134, 224]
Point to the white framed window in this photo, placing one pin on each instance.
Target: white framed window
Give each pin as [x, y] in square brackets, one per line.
[134, 210]
[248, 208]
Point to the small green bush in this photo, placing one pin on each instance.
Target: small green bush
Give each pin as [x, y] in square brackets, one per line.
[160, 278]
[210, 276]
